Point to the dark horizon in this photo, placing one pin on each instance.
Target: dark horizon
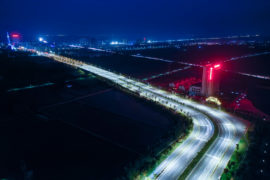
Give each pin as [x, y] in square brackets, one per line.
[135, 19]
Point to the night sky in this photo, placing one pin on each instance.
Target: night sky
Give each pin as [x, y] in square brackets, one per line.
[135, 18]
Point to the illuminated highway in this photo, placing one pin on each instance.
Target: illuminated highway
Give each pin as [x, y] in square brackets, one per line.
[175, 164]
[216, 158]
[212, 164]
[203, 128]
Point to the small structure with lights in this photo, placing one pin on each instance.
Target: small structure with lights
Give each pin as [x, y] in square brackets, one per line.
[213, 100]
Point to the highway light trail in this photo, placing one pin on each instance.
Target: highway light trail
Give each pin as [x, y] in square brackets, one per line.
[250, 75]
[152, 58]
[165, 74]
[255, 76]
[247, 56]
[91, 48]
[212, 164]
[166, 60]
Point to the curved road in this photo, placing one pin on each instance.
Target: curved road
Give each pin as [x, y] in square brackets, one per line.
[212, 164]
[231, 129]
[176, 163]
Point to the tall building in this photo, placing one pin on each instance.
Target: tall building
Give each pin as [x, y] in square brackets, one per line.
[210, 80]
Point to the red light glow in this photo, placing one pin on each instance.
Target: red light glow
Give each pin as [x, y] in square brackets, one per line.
[211, 74]
[15, 35]
[217, 66]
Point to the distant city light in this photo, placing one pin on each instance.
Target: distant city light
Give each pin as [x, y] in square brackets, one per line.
[114, 43]
[41, 39]
[118, 43]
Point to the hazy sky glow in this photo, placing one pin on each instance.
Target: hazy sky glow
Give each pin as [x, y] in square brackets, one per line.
[132, 18]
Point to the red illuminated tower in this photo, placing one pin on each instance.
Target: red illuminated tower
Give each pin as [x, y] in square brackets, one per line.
[210, 80]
